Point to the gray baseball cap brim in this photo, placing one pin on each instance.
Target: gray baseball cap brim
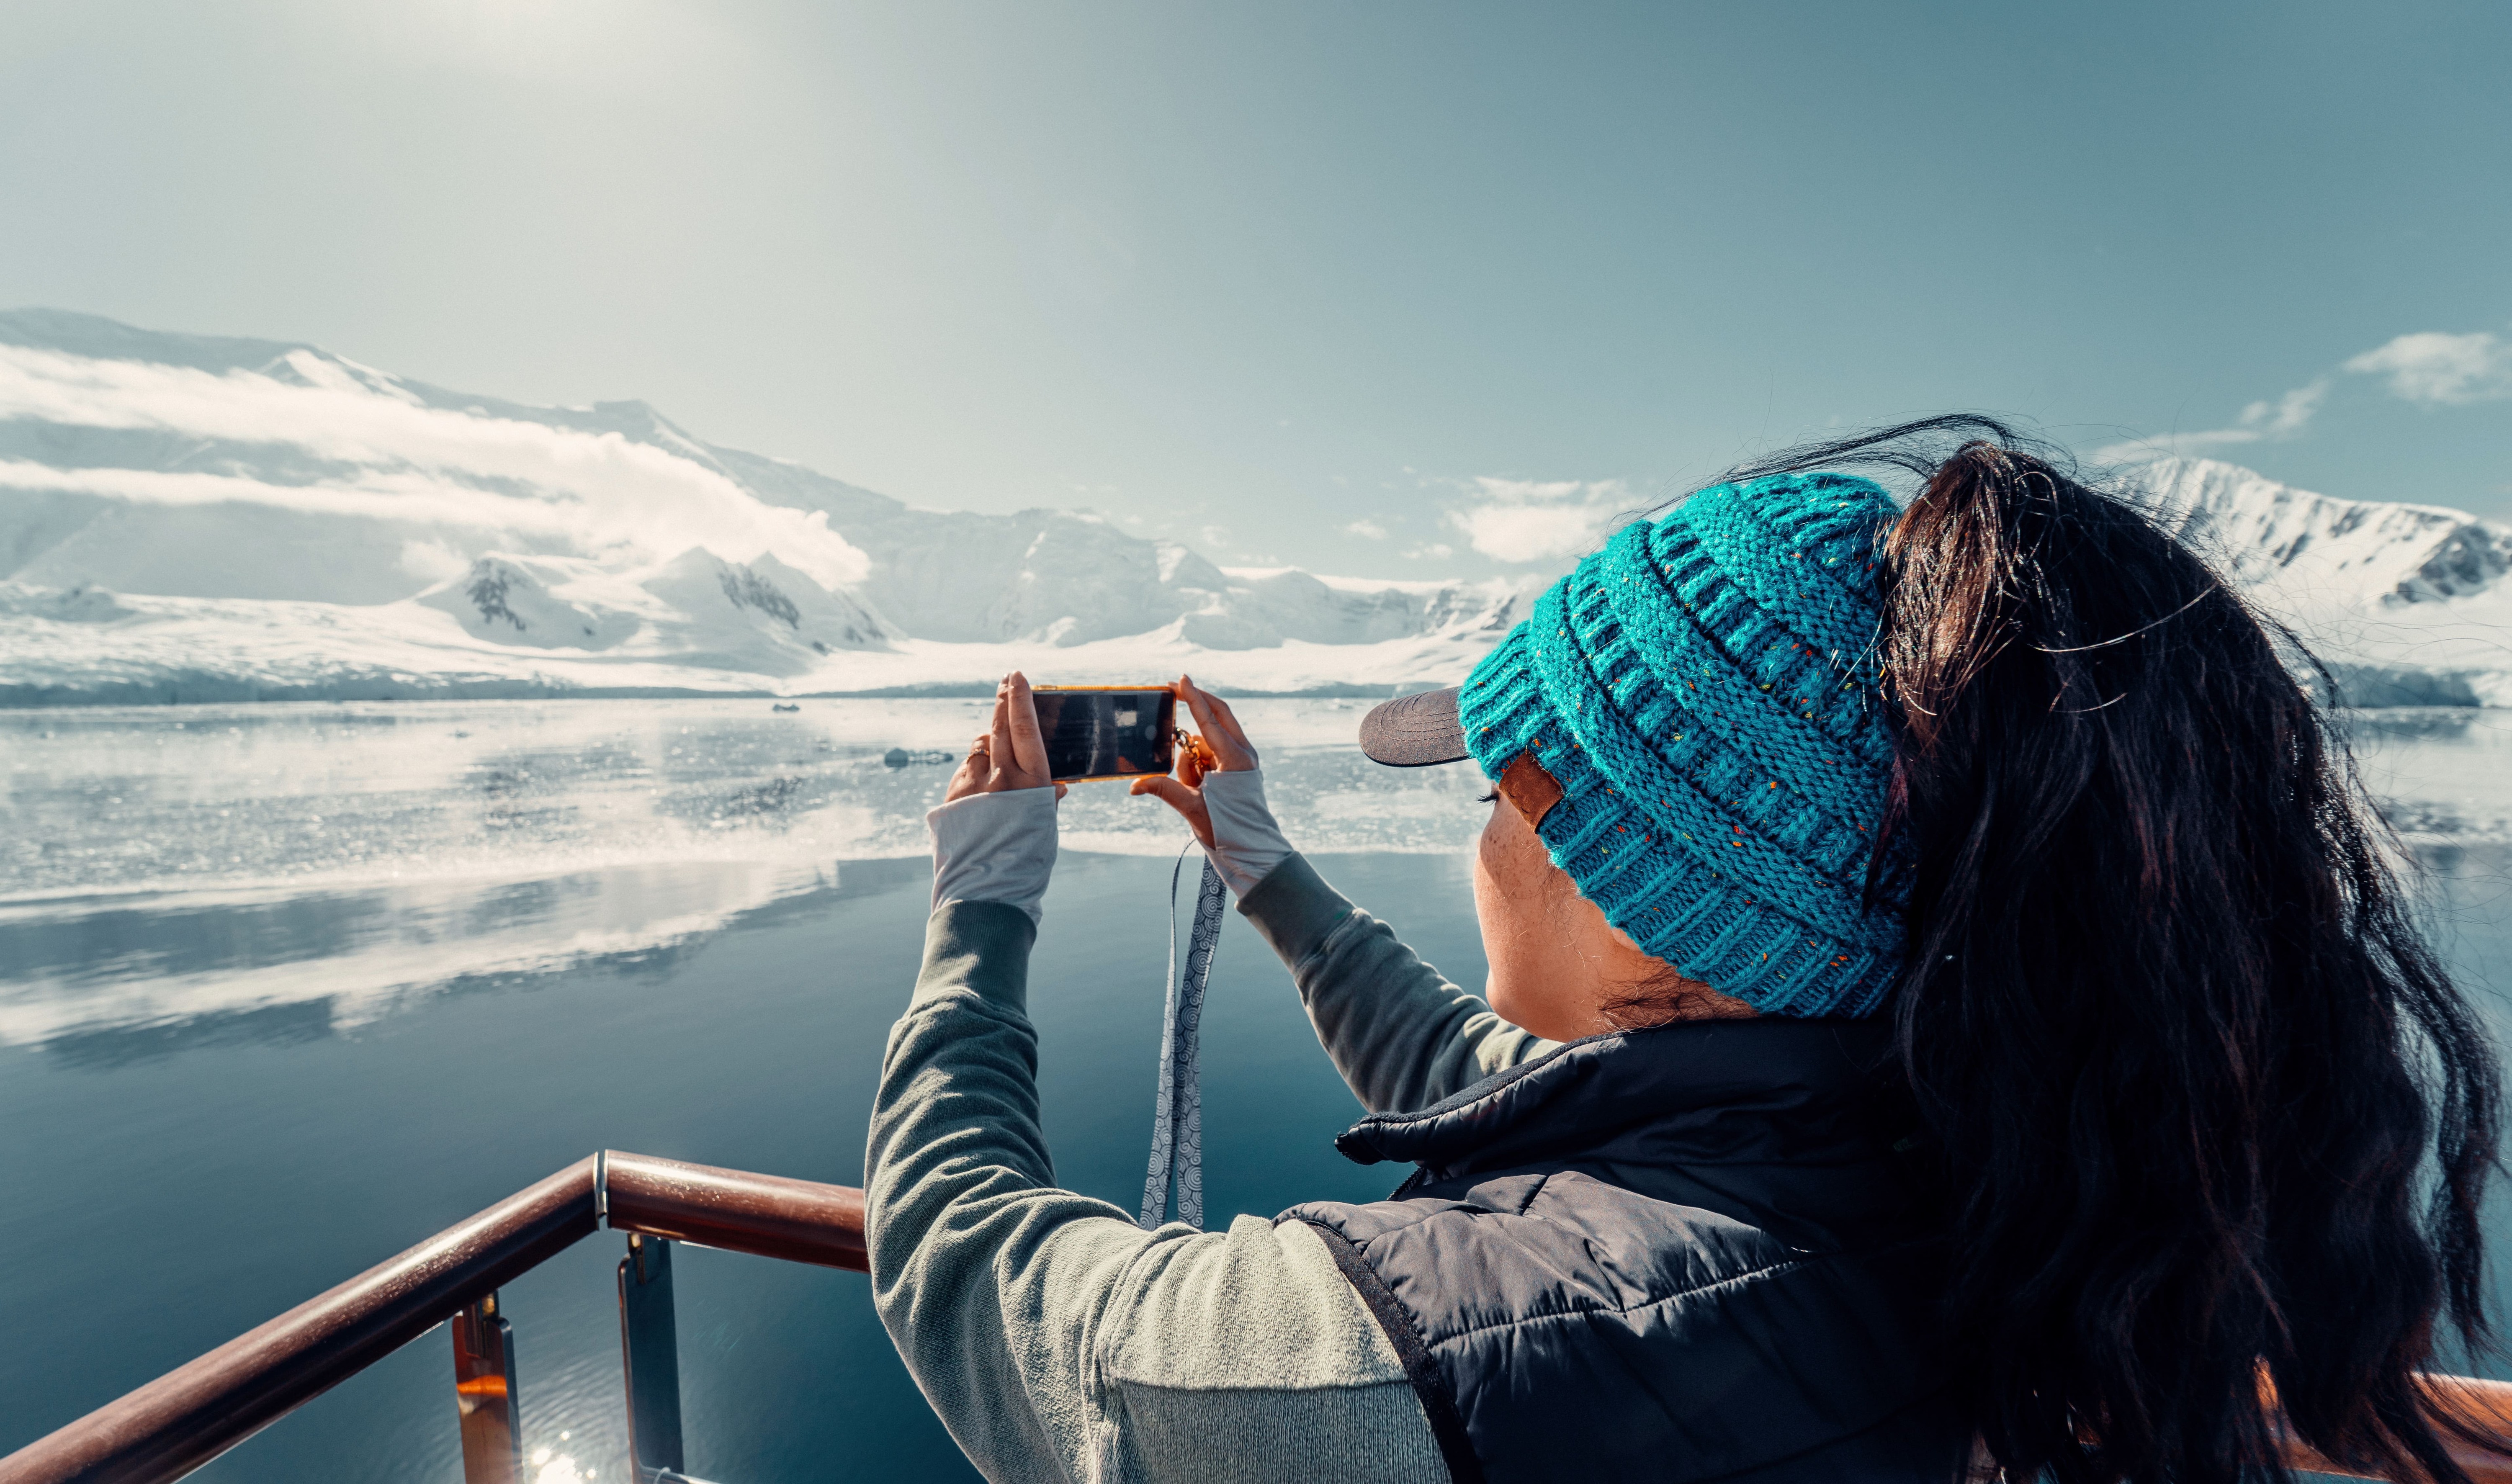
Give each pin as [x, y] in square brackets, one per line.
[1417, 730]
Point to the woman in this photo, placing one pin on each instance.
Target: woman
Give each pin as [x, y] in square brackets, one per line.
[1947, 1008]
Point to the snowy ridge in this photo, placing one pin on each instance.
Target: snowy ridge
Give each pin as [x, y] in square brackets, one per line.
[188, 517]
[2273, 536]
[2407, 605]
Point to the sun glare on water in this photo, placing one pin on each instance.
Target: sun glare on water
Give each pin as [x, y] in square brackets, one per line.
[557, 1469]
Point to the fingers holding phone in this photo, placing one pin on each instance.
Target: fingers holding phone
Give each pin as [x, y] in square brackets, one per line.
[1220, 792]
[1011, 754]
[1187, 800]
[1230, 749]
[1224, 749]
[1019, 749]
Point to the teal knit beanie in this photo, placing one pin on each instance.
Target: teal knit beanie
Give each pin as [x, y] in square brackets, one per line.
[1705, 691]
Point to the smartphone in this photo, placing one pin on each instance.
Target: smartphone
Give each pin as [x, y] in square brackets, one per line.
[1107, 732]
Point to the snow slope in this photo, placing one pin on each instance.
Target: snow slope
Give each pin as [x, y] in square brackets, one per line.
[187, 517]
[2407, 605]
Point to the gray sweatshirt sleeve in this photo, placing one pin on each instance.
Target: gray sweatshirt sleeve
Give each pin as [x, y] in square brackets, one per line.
[1055, 1338]
[1400, 1033]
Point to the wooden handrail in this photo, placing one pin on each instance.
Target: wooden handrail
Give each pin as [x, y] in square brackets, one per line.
[197, 1410]
[193, 1414]
[796, 1221]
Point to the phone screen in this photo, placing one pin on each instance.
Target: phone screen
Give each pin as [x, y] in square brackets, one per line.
[1106, 731]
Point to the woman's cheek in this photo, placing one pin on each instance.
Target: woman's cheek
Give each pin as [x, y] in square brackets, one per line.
[1492, 906]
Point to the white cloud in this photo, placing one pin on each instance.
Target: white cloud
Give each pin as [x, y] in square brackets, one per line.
[2443, 369]
[1437, 550]
[432, 560]
[1368, 530]
[2427, 367]
[376, 453]
[415, 499]
[2259, 423]
[2289, 415]
[1512, 520]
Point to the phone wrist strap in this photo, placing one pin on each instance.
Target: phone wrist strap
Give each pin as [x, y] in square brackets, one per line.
[1177, 1112]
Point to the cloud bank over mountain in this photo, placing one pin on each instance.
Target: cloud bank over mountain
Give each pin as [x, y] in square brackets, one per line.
[193, 517]
[1553, 522]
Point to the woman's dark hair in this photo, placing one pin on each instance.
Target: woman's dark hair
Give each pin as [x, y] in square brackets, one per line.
[2211, 1112]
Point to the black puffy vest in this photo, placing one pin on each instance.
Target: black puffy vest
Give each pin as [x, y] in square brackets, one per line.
[1688, 1253]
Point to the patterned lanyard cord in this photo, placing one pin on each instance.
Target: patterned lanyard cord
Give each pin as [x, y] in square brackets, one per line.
[1177, 1113]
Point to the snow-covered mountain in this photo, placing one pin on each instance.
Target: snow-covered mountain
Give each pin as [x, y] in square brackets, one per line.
[195, 517]
[186, 517]
[2407, 605]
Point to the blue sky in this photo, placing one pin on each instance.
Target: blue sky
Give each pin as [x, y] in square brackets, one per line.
[1386, 289]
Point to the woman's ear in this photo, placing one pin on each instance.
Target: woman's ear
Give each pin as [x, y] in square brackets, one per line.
[1528, 788]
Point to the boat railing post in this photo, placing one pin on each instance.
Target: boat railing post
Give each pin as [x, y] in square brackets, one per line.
[484, 1389]
[650, 1355]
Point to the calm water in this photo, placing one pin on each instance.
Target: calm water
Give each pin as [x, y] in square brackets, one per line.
[286, 989]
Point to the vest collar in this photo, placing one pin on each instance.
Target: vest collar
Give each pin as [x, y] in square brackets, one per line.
[1694, 1092]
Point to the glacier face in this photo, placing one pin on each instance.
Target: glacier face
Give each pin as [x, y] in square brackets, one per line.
[189, 517]
[264, 518]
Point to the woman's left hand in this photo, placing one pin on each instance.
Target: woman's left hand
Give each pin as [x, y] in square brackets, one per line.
[1224, 803]
[1231, 753]
[1012, 755]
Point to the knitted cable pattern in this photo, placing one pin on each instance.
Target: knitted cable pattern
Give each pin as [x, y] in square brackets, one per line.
[1705, 691]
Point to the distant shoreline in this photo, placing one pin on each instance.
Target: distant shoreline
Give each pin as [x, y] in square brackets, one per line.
[222, 690]
[2382, 694]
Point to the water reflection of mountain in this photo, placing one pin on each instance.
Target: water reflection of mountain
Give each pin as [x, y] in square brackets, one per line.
[220, 948]
[109, 1046]
[220, 875]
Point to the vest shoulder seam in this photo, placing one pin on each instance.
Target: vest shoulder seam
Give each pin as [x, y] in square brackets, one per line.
[1576, 1311]
[1285, 1388]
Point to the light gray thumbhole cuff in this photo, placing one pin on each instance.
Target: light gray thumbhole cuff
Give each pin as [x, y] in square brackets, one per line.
[995, 848]
[1246, 843]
